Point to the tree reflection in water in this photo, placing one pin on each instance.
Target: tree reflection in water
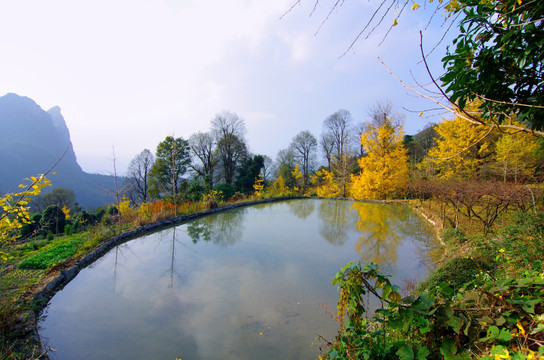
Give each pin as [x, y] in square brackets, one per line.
[224, 230]
[428, 250]
[385, 228]
[302, 209]
[381, 227]
[337, 219]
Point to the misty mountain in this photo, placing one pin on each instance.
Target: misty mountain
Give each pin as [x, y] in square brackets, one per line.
[32, 140]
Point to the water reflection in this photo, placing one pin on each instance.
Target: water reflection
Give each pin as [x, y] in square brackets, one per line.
[381, 228]
[428, 251]
[245, 284]
[224, 231]
[200, 230]
[171, 272]
[384, 230]
[302, 209]
[337, 221]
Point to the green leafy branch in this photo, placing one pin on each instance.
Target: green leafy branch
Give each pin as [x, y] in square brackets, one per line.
[503, 317]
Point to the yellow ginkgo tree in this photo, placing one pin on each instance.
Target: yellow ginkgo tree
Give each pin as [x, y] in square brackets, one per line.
[384, 169]
[327, 186]
[461, 148]
[258, 186]
[298, 178]
[517, 154]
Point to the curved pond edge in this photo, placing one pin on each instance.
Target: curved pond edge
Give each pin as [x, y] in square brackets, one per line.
[42, 297]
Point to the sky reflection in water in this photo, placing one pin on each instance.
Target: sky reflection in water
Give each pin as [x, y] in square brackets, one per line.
[244, 284]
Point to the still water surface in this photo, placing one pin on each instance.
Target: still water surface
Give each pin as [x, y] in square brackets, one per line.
[251, 283]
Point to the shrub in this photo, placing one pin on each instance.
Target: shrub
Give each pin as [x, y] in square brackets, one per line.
[107, 220]
[211, 204]
[226, 190]
[195, 190]
[452, 236]
[459, 273]
[53, 219]
[237, 196]
[99, 213]
[47, 258]
[68, 230]
[112, 210]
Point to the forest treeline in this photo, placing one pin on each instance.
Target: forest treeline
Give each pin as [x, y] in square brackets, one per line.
[474, 169]
[371, 160]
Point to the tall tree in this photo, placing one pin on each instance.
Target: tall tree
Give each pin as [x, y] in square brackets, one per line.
[202, 147]
[339, 127]
[172, 159]
[461, 149]
[53, 220]
[338, 135]
[327, 146]
[229, 130]
[60, 197]
[384, 170]
[138, 174]
[248, 172]
[285, 165]
[517, 155]
[267, 168]
[303, 146]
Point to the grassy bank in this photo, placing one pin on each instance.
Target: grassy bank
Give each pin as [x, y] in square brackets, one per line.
[484, 300]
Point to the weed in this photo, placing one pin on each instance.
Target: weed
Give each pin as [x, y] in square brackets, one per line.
[453, 236]
[45, 259]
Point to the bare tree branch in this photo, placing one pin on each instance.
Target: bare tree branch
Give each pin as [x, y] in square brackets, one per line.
[508, 103]
[463, 115]
[364, 29]
[390, 26]
[328, 15]
[290, 9]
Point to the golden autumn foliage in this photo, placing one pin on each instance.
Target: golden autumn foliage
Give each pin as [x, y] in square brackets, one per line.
[468, 151]
[461, 148]
[14, 207]
[258, 186]
[380, 236]
[124, 206]
[384, 170]
[66, 212]
[328, 187]
[279, 188]
[517, 154]
[297, 177]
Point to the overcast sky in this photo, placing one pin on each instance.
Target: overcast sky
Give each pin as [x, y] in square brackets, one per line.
[128, 73]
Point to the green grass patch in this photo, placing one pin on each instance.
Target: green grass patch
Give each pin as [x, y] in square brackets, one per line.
[461, 273]
[53, 255]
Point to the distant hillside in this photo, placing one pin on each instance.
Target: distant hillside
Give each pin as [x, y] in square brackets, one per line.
[31, 140]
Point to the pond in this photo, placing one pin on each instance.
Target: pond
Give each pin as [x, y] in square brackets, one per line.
[249, 283]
